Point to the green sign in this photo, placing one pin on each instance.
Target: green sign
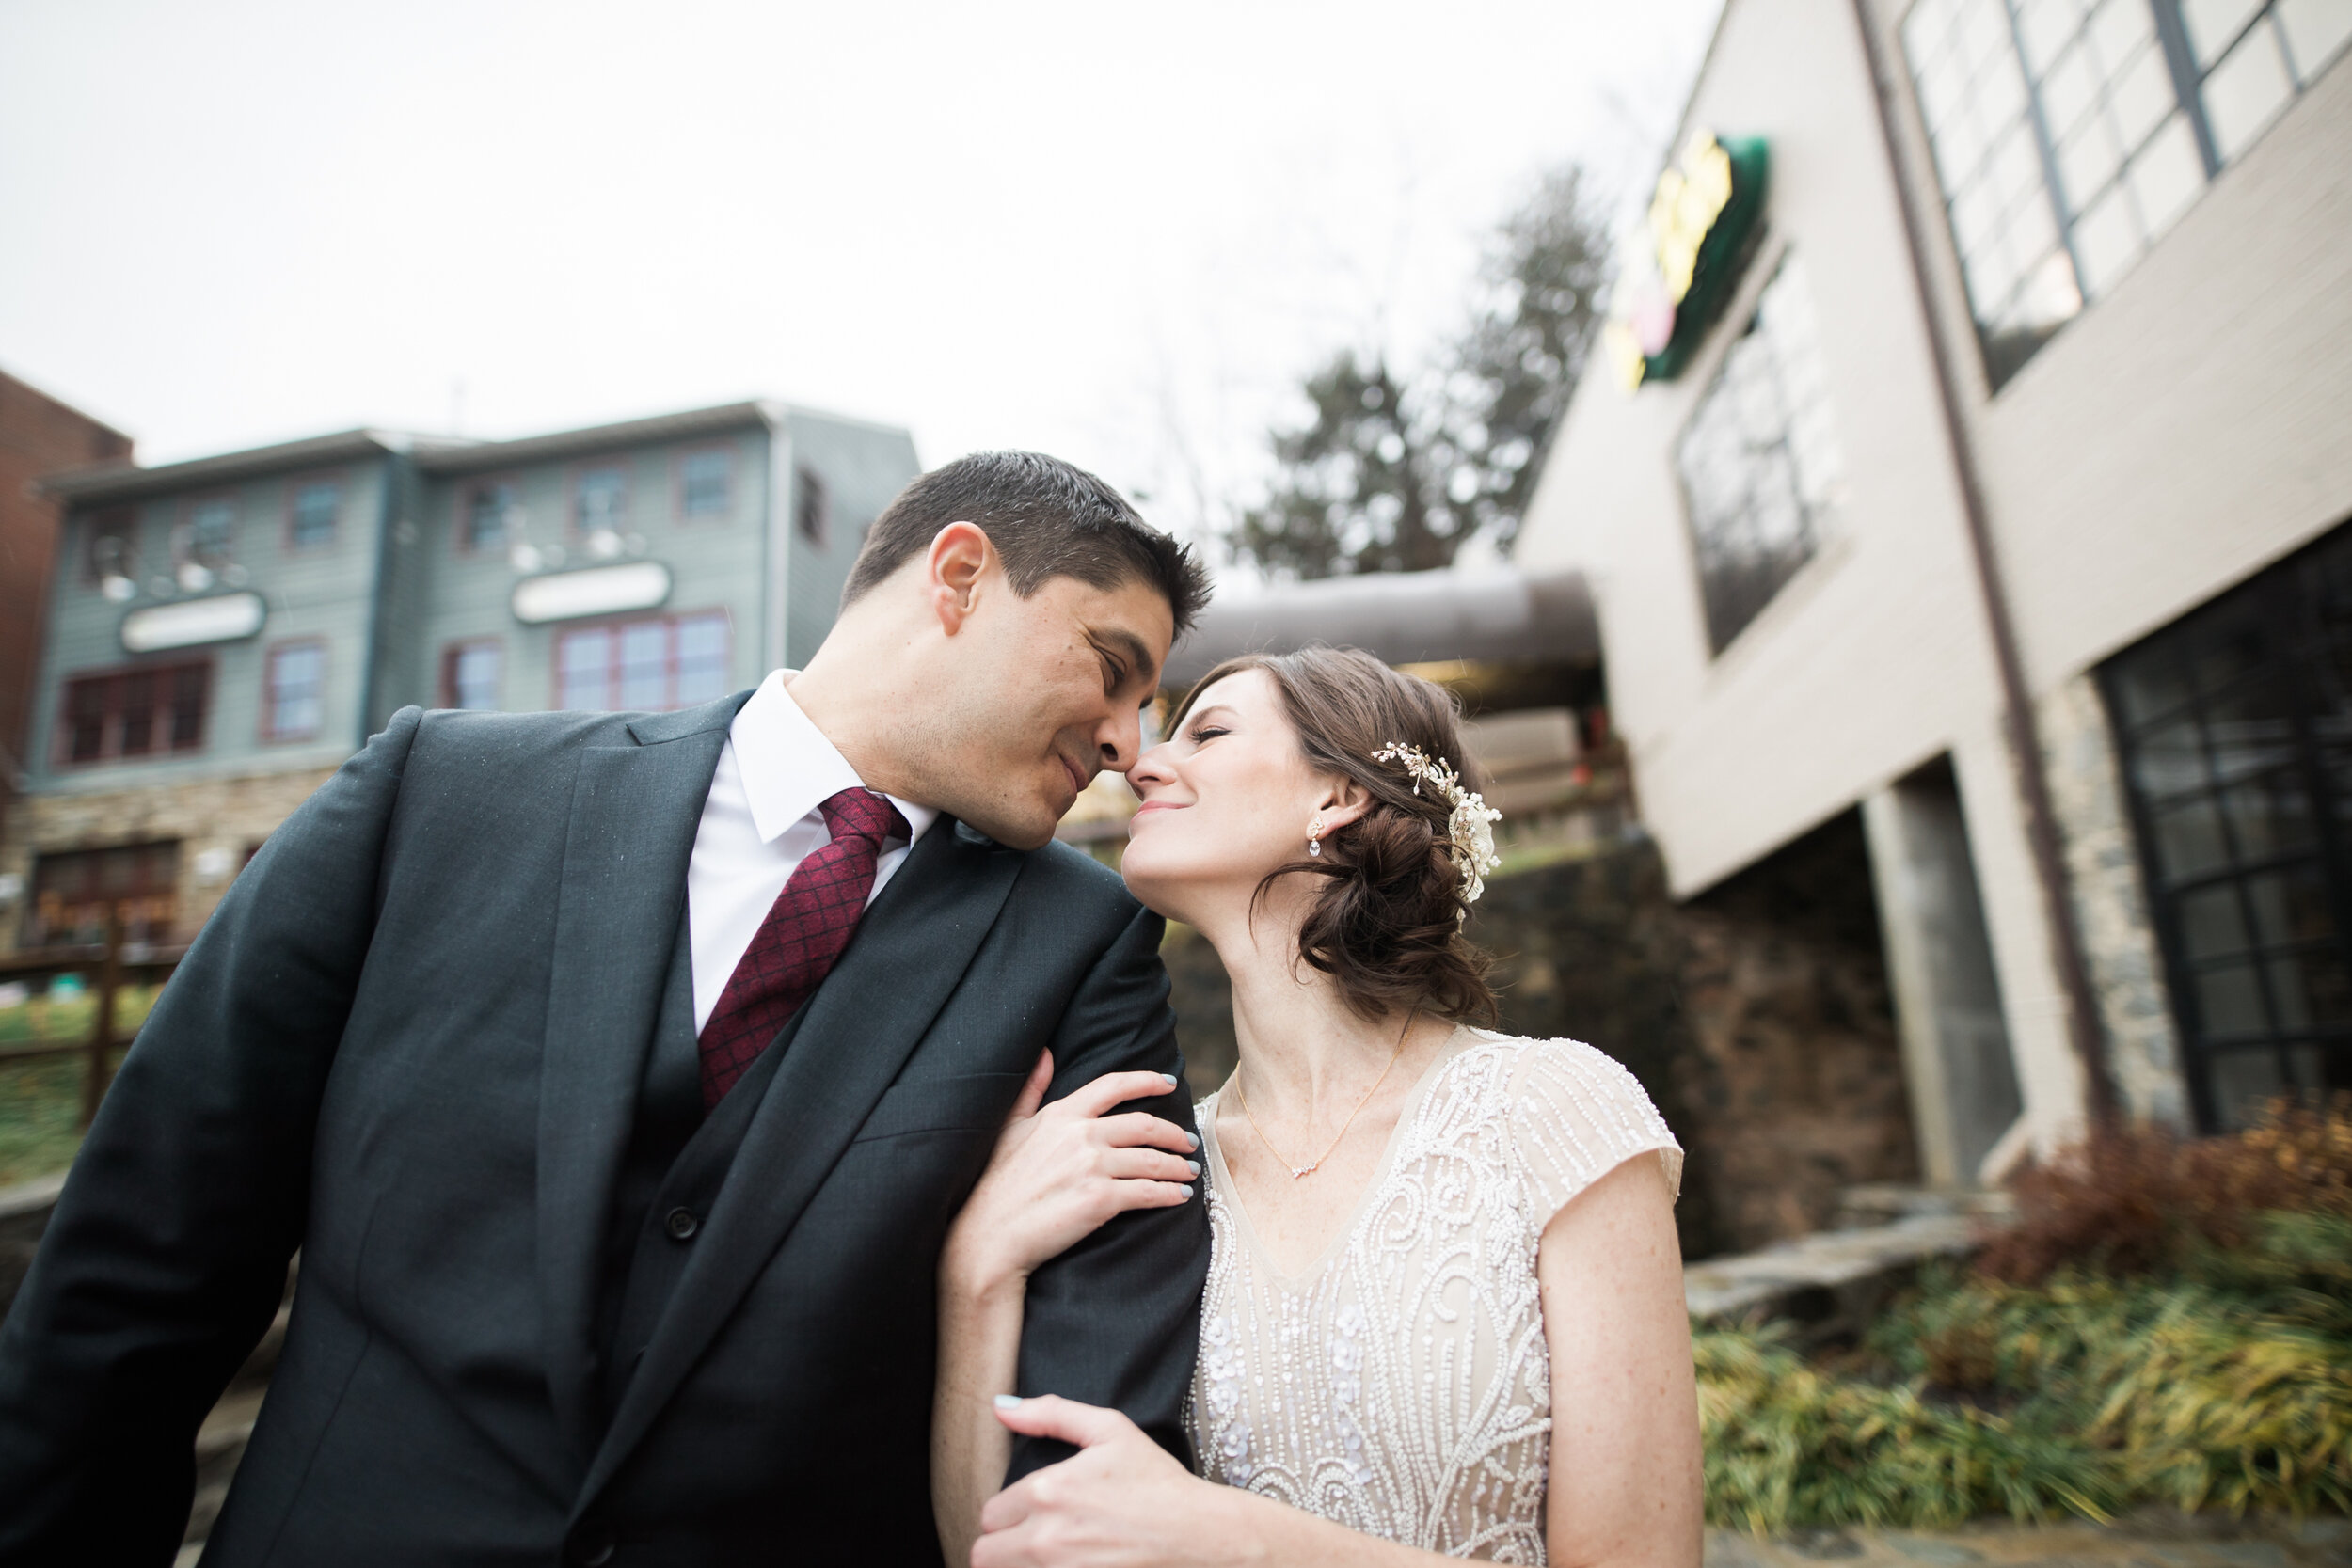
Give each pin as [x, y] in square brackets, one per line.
[1701, 219]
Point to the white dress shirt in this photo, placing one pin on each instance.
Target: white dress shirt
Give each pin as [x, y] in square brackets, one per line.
[758, 823]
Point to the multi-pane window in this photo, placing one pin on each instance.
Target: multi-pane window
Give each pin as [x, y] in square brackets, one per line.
[2249, 59]
[470, 675]
[212, 528]
[2070, 134]
[484, 510]
[317, 502]
[669, 663]
[706, 483]
[75, 892]
[811, 508]
[1760, 463]
[2234, 726]
[150, 711]
[110, 546]
[293, 683]
[599, 499]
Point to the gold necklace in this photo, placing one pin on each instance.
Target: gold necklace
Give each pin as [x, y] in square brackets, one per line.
[1297, 1171]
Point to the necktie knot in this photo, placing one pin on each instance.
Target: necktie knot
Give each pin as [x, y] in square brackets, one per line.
[862, 814]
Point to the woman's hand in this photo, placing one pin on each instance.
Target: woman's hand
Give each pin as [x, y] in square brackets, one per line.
[1060, 1171]
[1121, 1501]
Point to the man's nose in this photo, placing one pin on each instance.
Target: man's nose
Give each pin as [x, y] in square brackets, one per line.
[1122, 741]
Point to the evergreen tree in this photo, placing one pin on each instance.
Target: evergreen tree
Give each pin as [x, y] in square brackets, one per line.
[1390, 475]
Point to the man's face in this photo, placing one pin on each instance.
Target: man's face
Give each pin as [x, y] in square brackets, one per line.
[1046, 692]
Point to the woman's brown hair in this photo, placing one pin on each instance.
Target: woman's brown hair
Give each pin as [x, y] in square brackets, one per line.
[1388, 926]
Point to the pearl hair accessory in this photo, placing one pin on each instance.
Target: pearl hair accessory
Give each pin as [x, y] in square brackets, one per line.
[1469, 825]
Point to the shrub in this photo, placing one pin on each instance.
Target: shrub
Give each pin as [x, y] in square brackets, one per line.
[2142, 1199]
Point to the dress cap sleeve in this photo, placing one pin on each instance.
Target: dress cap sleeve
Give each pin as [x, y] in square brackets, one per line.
[1576, 1115]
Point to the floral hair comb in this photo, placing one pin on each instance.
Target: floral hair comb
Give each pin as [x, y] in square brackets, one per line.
[1470, 824]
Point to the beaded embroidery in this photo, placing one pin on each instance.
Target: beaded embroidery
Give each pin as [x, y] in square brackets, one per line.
[1403, 1389]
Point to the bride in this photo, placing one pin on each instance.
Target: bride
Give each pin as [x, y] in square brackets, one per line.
[1444, 1313]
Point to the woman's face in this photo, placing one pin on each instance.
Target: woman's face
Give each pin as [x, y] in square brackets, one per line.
[1226, 800]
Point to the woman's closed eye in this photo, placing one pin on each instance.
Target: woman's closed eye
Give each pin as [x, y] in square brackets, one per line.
[1203, 733]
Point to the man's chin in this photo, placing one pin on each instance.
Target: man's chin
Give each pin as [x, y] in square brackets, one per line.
[1015, 832]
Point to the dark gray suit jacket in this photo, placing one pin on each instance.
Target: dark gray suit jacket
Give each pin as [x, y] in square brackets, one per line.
[408, 1044]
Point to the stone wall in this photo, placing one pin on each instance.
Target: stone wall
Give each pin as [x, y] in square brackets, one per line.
[1757, 1016]
[228, 815]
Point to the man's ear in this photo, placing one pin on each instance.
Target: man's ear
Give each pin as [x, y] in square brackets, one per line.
[958, 557]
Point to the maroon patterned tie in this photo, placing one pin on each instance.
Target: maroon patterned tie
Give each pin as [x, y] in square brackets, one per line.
[807, 928]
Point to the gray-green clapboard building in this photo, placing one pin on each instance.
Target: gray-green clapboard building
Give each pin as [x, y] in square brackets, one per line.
[223, 632]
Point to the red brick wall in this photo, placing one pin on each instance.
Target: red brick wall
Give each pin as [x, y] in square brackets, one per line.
[39, 435]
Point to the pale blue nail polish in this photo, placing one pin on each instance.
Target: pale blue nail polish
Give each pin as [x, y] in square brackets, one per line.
[1007, 1402]
[1187, 1192]
[1195, 1137]
[1193, 1167]
[1171, 1079]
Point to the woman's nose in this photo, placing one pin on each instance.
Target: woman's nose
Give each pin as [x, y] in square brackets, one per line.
[1151, 767]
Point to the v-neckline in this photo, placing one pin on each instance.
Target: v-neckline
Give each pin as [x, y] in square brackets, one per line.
[1222, 1174]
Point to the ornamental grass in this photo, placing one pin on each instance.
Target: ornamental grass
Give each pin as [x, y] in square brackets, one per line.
[2200, 1358]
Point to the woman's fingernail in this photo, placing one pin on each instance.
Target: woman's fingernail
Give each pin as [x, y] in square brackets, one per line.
[1007, 1402]
[1187, 1192]
[1193, 1167]
[1171, 1079]
[1195, 1137]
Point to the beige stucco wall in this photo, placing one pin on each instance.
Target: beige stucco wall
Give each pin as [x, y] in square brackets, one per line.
[2191, 427]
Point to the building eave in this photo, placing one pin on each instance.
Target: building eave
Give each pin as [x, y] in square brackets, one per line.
[482, 455]
[126, 481]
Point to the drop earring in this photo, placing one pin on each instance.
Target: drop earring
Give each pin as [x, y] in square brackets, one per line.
[1314, 837]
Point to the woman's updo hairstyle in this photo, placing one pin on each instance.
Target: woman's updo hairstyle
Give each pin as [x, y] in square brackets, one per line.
[1388, 926]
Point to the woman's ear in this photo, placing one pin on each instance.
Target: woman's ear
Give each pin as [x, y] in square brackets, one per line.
[1344, 801]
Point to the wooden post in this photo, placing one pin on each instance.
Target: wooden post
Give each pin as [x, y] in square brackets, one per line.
[101, 1035]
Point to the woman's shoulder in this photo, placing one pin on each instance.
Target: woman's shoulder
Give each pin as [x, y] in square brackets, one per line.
[1572, 1112]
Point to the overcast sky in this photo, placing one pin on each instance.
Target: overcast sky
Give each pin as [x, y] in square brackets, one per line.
[1111, 232]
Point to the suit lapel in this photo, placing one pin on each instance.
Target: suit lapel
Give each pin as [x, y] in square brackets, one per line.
[909, 952]
[635, 810]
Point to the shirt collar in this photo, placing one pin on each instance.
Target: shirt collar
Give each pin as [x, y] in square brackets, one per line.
[789, 769]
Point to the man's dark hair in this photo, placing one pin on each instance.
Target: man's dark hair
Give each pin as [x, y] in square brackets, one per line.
[1045, 518]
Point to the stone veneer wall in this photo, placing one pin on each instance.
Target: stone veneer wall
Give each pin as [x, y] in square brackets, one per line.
[229, 814]
[2111, 902]
[1757, 1016]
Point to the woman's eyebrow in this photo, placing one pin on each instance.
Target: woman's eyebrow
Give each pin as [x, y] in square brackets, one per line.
[1199, 713]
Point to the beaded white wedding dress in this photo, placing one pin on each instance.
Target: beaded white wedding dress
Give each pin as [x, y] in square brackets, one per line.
[1402, 1384]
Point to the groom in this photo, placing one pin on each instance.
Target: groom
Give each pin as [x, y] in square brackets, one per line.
[617, 1076]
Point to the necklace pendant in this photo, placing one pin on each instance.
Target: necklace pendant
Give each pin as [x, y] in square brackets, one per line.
[1304, 1170]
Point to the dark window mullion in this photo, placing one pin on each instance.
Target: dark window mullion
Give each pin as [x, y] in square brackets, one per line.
[2187, 83]
[2243, 897]
[2292, 607]
[2044, 144]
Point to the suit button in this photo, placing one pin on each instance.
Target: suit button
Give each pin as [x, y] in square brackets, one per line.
[593, 1545]
[681, 1224]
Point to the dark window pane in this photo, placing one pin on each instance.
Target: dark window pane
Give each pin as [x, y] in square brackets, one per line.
[2289, 906]
[2231, 1002]
[315, 505]
[2250, 727]
[86, 718]
[2188, 839]
[2212, 924]
[2243, 1083]
[486, 509]
[2225, 642]
[2149, 683]
[2170, 761]
[2310, 990]
[600, 499]
[139, 713]
[703, 484]
[212, 528]
[112, 539]
[2269, 815]
[189, 691]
